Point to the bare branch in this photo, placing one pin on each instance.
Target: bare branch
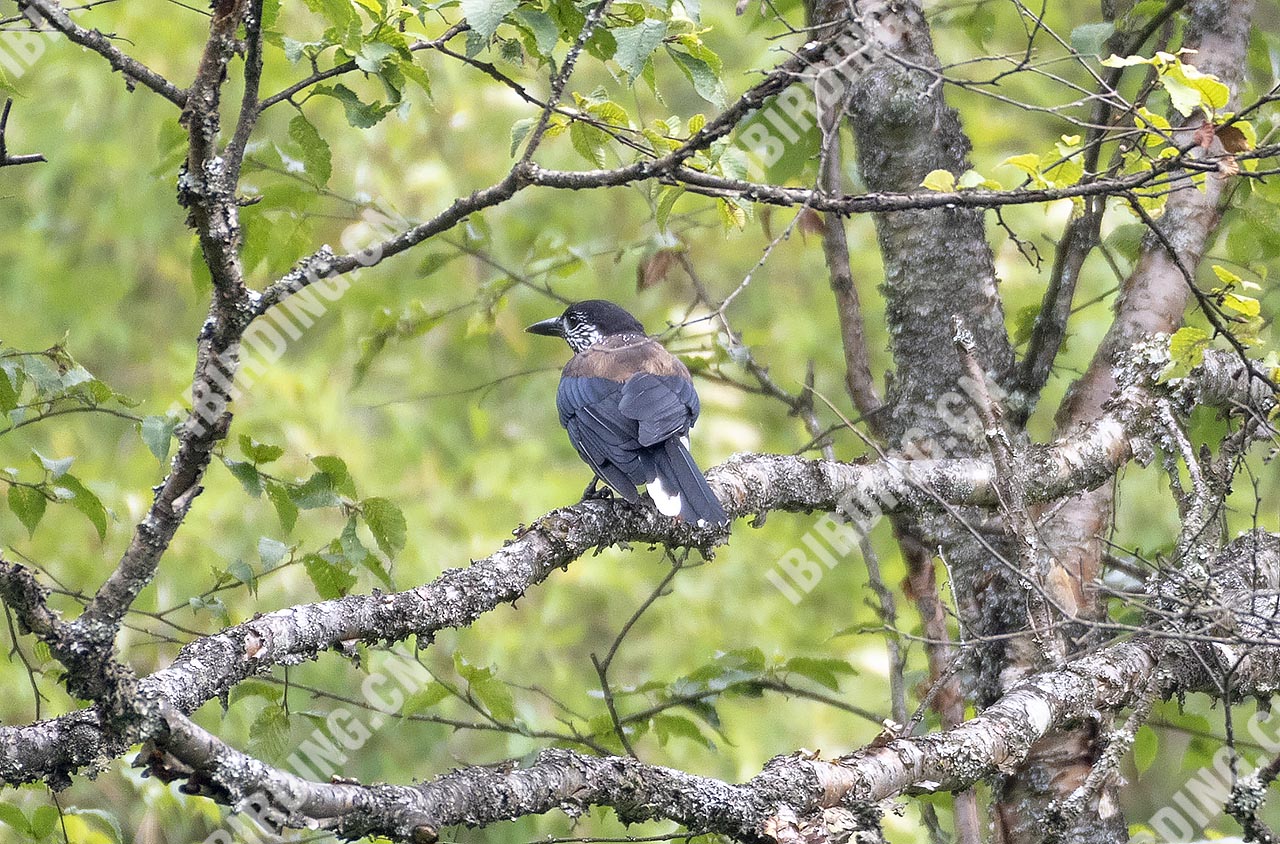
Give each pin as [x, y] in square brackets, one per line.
[134, 71]
[7, 160]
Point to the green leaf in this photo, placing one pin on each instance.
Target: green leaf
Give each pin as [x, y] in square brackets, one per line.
[636, 44]
[1125, 61]
[822, 671]
[1183, 97]
[353, 550]
[338, 12]
[1225, 275]
[247, 475]
[589, 141]
[257, 452]
[1186, 351]
[387, 524]
[285, 508]
[316, 156]
[943, 181]
[511, 51]
[156, 432]
[704, 79]
[12, 816]
[416, 74]
[269, 734]
[1187, 345]
[543, 28]
[424, 699]
[271, 551]
[336, 469]
[244, 573]
[1145, 747]
[55, 467]
[329, 580]
[28, 505]
[1190, 89]
[83, 499]
[372, 58]
[519, 131]
[1246, 306]
[468, 670]
[1090, 38]
[360, 114]
[213, 605]
[667, 727]
[476, 43]
[666, 201]
[43, 821]
[8, 394]
[316, 491]
[107, 818]
[496, 697]
[485, 15]
[1024, 323]
[1028, 163]
[732, 214]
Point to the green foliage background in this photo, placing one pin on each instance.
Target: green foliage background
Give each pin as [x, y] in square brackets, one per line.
[453, 420]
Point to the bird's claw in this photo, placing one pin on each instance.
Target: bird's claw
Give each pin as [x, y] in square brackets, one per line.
[595, 492]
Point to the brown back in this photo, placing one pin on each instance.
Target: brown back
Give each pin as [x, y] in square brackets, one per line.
[620, 356]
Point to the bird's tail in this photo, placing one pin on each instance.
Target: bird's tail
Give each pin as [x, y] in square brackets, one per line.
[679, 487]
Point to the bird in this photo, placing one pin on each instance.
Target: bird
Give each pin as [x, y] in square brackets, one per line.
[627, 405]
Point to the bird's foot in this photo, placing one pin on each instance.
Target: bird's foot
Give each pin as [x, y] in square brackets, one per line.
[595, 492]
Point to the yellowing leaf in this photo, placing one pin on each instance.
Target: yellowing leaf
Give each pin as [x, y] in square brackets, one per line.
[1184, 98]
[1225, 275]
[1126, 61]
[1028, 163]
[732, 215]
[1243, 305]
[1186, 348]
[971, 179]
[1214, 91]
[940, 180]
[1155, 124]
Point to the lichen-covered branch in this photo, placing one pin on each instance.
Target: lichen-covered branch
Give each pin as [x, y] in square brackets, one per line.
[748, 485]
[55, 16]
[793, 791]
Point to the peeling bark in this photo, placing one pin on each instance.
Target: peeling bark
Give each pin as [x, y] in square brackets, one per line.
[1152, 301]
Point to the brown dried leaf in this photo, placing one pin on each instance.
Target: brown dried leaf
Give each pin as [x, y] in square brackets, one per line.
[655, 268]
[1233, 140]
[809, 221]
[1204, 135]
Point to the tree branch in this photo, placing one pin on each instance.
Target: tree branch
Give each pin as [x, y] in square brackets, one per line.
[791, 792]
[748, 486]
[134, 71]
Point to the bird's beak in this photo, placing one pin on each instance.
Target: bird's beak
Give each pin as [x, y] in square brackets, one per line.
[548, 327]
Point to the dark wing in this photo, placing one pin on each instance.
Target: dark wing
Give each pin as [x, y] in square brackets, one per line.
[627, 403]
[663, 406]
[614, 426]
[603, 435]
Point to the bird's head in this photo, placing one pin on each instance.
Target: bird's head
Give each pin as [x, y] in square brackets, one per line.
[586, 323]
